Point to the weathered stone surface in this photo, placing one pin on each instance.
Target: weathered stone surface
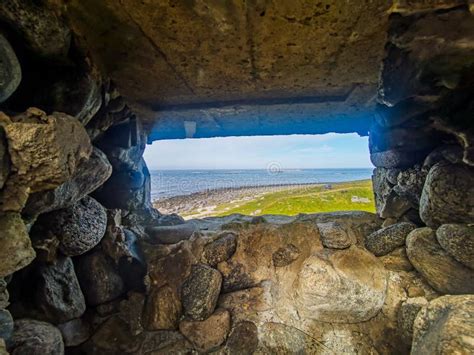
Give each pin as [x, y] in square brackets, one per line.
[10, 70]
[448, 195]
[58, 295]
[163, 309]
[334, 235]
[170, 220]
[394, 158]
[439, 269]
[90, 174]
[201, 291]
[458, 241]
[131, 310]
[450, 153]
[43, 31]
[79, 228]
[351, 286]
[35, 338]
[397, 260]
[171, 234]
[98, 278]
[445, 326]
[44, 152]
[6, 324]
[407, 315]
[220, 249]
[285, 255]
[74, 332]
[16, 251]
[410, 184]
[4, 295]
[387, 239]
[208, 334]
[243, 339]
[4, 158]
[387, 201]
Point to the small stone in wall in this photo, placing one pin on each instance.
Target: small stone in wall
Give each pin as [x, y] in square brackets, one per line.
[407, 315]
[35, 338]
[397, 260]
[16, 251]
[79, 228]
[201, 291]
[162, 309]
[243, 339]
[334, 235]
[387, 239]
[208, 334]
[171, 234]
[445, 326]
[10, 70]
[58, 295]
[220, 250]
[6, 324]
[458, 241]
[438, 268]
[448, 195]
[284, 256]
[74, 332]
[98, 278]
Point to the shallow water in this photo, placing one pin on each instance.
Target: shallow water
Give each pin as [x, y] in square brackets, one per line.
[169, 183]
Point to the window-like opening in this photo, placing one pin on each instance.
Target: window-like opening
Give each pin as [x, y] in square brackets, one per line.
[261, 175]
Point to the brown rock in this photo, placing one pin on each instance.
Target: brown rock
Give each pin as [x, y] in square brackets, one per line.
[208, 334]
[163, 309]
[334, 235]
[35, 338]
[201, 291]
[397, 260]
[16, 251]
[406, 316]
[131, 310]
[387, 239]
[458, 241]
[439, 269]
[445, 326]
[284, 256]
[448, 195]
[243, 339]
[220, 250]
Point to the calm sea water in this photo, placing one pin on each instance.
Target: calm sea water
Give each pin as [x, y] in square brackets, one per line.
[169, 183]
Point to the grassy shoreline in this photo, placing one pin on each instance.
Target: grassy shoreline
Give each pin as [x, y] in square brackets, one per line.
[274, 199]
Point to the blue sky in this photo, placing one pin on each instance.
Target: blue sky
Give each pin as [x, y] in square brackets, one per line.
[286, 152]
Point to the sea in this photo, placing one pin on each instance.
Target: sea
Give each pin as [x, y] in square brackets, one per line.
[170, 183]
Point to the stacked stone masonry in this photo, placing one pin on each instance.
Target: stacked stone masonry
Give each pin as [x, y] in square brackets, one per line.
[87, 266]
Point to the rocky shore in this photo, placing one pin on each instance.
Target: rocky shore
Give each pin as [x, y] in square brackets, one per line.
[201, 204]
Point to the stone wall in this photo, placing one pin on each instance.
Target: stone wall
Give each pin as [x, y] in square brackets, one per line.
[88, 266]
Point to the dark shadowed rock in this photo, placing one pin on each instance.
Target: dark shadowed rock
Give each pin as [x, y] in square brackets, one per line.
[335, 236]
[98, 278]
[10, 70]
[74, 332]
[4, 159]
[387, 202]
[438, 268]
[200, 292]
[132, 266]
[450, 153]
[42, 30]
[162, 309]
[58, 295]
[445, 326]
[458, 241]
[448, 195]
[208, 334]
[394, 158]
[4, 295]
[407, 315]
[221, 249]
[16, 251]
[6, 324]
[170, 220]
[243, 339]
[78, 228]
[389, 238]
[33, 337]
[171, 234]
[90, 174]
[284, 256]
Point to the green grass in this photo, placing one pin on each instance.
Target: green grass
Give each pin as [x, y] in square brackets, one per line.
[306, 200]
